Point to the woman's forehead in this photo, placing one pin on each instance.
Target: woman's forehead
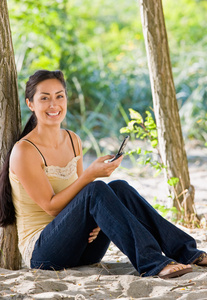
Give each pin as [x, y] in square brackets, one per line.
[50, 86]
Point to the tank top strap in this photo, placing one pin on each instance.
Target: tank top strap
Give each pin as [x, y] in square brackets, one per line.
[37, 150]
[71, 141]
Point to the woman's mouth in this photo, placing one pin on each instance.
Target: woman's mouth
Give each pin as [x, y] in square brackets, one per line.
[53, 114]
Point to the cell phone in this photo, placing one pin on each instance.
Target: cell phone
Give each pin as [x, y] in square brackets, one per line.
[121, 149]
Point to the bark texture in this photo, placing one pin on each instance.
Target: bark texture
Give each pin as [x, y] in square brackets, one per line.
[166, 111]
[10, 257]
[9, 128]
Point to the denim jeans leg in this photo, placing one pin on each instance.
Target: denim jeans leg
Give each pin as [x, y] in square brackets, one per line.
[95, 251]
[175, 243]
[64, 243]
[125, 230]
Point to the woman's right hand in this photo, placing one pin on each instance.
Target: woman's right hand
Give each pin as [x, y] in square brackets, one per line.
[102, 167]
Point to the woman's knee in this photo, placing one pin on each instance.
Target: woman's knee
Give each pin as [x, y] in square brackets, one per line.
[98, 186]
[118, 184]
[101, 185]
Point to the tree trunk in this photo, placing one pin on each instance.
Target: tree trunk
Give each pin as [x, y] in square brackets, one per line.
[9, 128]
[10, 257]
[166, 111]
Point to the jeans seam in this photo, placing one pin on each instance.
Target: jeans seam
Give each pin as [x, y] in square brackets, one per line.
[191, 260]
[159, 268]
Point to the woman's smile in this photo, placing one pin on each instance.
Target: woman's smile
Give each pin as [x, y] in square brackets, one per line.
[53, 114]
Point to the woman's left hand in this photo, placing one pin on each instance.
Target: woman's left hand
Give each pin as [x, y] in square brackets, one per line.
[93, 235]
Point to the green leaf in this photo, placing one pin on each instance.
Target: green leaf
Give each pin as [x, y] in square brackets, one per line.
[173, 181]
[174, 210]
[135, 115]
[148, 160]
[154, 133]
[129, 128]
[147, 152]
[162, 209]
[154, 143]
[157, 172]
[124, 130]
[139, 150]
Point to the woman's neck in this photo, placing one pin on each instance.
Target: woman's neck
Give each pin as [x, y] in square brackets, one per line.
[49, 136]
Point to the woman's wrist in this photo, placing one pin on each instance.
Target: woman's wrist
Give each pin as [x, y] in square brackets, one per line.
[87, 176]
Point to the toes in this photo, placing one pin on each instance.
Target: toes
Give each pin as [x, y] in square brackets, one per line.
[171, 268]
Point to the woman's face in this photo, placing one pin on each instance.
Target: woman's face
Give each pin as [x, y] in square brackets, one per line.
[49, 102]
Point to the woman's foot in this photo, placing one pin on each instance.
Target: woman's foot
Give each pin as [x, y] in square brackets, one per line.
[201, 260]
[174, 270]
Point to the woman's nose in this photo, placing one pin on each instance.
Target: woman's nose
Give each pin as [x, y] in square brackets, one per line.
[52, 103]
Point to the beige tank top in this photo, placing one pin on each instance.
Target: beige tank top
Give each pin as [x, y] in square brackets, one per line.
[31, 218]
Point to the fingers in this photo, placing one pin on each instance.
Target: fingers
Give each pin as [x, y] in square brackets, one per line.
[101, 168]
[95, 232]
[105, 157]
[109, 157]
[93, 235]
[112, 164]
[118, 160]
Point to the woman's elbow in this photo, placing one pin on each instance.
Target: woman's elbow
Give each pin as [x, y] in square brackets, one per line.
[52, 213]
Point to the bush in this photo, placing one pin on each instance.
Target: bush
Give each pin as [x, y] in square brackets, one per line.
[99, 46]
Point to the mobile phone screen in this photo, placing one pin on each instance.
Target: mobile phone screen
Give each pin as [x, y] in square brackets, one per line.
[121, 149]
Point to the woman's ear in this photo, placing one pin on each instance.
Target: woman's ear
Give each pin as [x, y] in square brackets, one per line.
[29, 104]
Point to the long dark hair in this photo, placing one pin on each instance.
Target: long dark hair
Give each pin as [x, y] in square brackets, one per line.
[7, 211]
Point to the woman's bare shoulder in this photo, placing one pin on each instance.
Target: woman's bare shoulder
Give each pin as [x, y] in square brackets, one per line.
[20, 148]
[77, 141]
[73, 134]
[23, 153]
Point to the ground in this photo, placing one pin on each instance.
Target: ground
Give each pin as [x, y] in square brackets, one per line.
[115, 277]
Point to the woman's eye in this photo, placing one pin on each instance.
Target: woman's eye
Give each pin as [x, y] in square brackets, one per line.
[44, 98]
[60, 96]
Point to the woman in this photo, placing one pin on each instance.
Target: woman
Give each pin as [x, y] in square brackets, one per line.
[59, 208]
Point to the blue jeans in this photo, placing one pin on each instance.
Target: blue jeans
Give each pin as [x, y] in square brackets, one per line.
[125, 218]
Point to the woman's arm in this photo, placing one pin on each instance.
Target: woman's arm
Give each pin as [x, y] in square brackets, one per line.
[27, 164]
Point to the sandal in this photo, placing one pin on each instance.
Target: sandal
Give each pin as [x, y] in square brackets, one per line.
[199, 259]
[176, 273]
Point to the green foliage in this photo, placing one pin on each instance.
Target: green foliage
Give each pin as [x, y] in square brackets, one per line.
[185, 23]
[96, 49]
[145, 129]
[186, 29]
[173, 181]
[142, 128]
[165, 211]
[191, 83]
[100, 48]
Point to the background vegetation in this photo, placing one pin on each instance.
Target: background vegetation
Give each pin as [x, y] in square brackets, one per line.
[100, 48]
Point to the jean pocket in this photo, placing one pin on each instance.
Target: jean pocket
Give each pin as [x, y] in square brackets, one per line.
[45, 265]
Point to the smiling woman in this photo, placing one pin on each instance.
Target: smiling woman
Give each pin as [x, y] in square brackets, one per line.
[49, 101]
[64, 216]
[48, 94]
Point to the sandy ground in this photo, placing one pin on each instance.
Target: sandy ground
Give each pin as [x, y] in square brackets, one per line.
[115, 277]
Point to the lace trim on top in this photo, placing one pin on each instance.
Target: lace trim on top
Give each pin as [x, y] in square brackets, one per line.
[63, 172]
